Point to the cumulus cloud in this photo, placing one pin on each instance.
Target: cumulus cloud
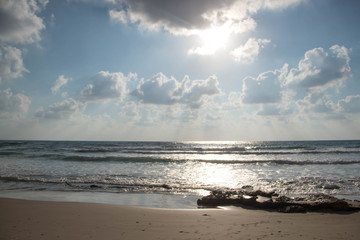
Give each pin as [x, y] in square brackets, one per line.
[106, 86]
[11, 63]
[248, 52]
[199, 89]
[266, 88]
[177, 17]
[159, 90]
[350, 104]
[12, 105]
[317, 102]
[168, 91]
[19, 22]
[211, 20]
[320, 69]
[308, 88]
[182, 17]
[61, 110]
[60, 82]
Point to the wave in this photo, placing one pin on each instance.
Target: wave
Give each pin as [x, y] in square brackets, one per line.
[95, 184]
[149, 159]
[237, 151]
[256, 148]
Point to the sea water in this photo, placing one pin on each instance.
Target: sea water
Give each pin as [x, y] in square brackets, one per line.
[175, 174]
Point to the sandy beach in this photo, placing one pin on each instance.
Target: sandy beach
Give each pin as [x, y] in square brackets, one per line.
[24, 219]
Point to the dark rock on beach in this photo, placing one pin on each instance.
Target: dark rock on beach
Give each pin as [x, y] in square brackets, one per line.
[271, 201]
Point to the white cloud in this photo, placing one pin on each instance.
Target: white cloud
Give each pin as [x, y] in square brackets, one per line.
[13, 105]
[350, 104]
[11, 63]
[199, 89]
[269, 110]
[320, 69]
[316, 102]
[266, 88]
[106, 86]
[248, 52]
[159, 90]
[130, 112]
[319, 73]
[19, 22]
[60, 82]
[61, 110]
[168, 91]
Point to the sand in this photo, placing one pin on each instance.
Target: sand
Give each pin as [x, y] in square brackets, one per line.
[24, 219]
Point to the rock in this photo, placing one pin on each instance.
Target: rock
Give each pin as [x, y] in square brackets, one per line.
[330, 186]
[165, 186]
[317, 202]
[293, 209]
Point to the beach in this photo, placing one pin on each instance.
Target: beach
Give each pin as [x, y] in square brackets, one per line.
[25, 219]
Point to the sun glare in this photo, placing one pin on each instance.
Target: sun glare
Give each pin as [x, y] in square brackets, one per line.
[213, 39]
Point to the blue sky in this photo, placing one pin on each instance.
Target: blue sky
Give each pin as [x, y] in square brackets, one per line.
[179, 70]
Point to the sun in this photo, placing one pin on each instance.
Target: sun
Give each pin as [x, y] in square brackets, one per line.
[213, 39]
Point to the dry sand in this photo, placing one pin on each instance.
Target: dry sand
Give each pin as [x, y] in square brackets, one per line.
[23, 219]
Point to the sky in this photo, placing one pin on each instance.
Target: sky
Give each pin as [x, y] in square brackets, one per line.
[166, 70]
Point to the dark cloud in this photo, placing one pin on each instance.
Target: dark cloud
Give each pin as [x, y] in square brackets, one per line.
[174, 16]
[179, 17]
[19, 22]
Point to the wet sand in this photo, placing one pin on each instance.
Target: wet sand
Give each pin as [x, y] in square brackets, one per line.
[24, 219]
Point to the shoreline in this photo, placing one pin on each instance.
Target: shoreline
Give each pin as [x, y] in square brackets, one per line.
[152, 200]
[28, 219]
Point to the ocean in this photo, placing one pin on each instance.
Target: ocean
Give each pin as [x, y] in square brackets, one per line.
[175, 174]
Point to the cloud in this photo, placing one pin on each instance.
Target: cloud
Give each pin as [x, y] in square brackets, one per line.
[266, 88]
[168, 91]
[183, 17]
[60, 81]
[177, 17]
[249, 51]
[13, 105]
[19, 22]
[11, 63]
[319, 73]
[317, 102]
[351, 104]
[214, 22]
[106, 86]
[320, 69]
[61, 110]
[159, 90]
[130, 111]
[269, 110]
[199, 89]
